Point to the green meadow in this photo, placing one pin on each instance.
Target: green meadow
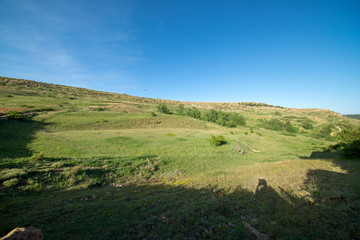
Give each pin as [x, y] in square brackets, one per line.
[83, 164]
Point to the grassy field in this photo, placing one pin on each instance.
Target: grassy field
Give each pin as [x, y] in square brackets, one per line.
[96, 165]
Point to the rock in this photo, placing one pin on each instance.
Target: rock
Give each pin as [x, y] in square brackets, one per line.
[29, 233]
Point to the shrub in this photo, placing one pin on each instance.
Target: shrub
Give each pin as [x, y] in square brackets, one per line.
[211, 115]
[38, 156]
[11, 183]
[349, 135]
[27, 106]
[12, 173]
[349, 142]
[163, 108]
[180, 109]
[288, 127]
[217, 140]
[230, 119]
[323, 131]
[307, 125]
[193, 112]
[272, 124]
[14, 115]
[44, 109]
[237, 119]
[224, 120]
[353, 149]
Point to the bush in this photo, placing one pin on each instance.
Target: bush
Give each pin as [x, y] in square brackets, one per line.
[163, 108]
[237, 119]
[288, 127]
[323, 132]
[211, 115]
[12, 173]
[38, 156]
[11, 183]
[99, 109]
[353, 149]
[180, 109]
[222, 118]
[307, 125]
[230, 119]
[272, 124]
[349, 142]
[349, 135]
[217, 140]
[14, 115]
[193, 112]
[44, 109]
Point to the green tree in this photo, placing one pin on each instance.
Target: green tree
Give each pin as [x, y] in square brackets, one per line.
[288, 127]
[163, 108]
[180, 109]
[193, 112]
[217, 140]
[211, 115]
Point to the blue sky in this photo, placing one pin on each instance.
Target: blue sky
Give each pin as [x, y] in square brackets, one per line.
[302, 54]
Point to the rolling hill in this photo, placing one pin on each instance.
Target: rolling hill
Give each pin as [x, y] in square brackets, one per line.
[85, 164]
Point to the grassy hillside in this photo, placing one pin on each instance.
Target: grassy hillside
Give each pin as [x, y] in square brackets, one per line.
[84, 164]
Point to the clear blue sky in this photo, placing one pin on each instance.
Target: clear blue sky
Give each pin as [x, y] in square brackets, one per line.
[303, 54]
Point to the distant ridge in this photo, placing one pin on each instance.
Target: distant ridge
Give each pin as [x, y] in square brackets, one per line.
[354, 116]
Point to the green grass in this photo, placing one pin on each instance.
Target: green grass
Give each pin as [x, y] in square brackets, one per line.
[124, 172]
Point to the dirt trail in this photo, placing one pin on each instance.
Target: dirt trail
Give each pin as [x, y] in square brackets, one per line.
[333, 133]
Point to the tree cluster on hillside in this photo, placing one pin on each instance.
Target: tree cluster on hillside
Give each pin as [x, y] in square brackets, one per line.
[278, 125]
[228, 119]
[255, 104]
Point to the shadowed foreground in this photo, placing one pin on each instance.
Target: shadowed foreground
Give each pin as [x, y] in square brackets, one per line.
[160, 211]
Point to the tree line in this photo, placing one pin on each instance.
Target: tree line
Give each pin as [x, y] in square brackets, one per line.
[227, 119]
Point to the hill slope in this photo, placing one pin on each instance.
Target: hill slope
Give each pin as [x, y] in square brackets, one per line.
[87, 164]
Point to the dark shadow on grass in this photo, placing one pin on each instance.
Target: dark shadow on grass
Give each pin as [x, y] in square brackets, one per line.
[337, 152]
[16, 135]
[336, 194]
[174, 211]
